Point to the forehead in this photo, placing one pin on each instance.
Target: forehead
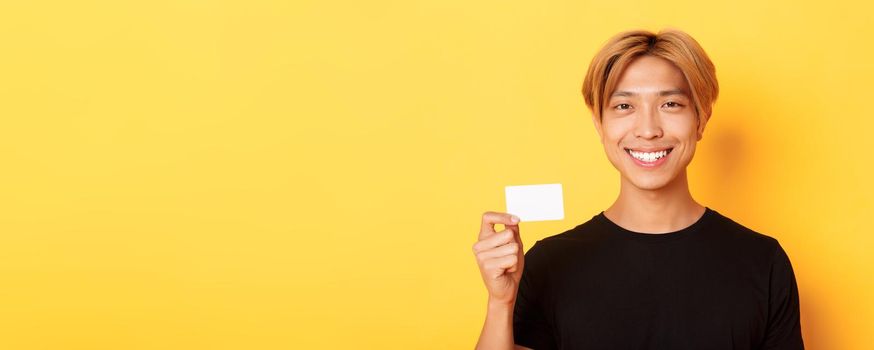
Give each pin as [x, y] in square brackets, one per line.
[650, 74]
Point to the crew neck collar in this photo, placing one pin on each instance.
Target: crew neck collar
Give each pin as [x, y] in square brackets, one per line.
[656, 237]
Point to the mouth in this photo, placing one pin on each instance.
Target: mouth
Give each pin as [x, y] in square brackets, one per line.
[649, 157]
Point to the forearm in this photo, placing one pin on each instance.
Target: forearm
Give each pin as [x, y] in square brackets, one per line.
[497, 333]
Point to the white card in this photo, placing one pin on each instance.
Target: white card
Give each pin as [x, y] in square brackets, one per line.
[535, 202]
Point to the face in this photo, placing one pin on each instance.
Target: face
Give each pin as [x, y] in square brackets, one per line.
[649, 126]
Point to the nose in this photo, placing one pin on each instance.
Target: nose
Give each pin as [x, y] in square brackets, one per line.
[648, 125]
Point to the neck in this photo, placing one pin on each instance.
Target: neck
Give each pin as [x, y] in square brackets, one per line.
[667, 209]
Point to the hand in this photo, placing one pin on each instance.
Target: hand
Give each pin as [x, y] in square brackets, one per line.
[500, 256]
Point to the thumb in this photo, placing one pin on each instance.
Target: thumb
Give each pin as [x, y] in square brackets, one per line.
[517, 235]
[520, 254]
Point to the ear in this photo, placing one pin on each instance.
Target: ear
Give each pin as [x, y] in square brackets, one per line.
[702, 123]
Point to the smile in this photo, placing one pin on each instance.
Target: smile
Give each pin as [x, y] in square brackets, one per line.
[650, 158]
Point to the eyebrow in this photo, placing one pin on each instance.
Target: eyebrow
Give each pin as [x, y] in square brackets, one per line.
[661, 93]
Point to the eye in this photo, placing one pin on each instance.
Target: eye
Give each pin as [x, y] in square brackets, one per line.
[672, 104]
[622, 106]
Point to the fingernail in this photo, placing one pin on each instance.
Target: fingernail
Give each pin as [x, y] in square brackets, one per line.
[514, 218]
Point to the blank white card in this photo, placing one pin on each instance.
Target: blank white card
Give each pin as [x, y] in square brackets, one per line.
[535, 202]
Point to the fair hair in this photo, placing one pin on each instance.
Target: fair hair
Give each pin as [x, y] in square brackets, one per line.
[673, 45]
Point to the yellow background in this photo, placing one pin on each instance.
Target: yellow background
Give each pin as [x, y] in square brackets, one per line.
[276, 175]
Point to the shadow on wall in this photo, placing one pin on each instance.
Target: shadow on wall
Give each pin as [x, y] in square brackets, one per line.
[738, 172]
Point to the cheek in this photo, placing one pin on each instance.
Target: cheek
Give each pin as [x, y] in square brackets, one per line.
[614, 130]
[685, 132]
[682, 128]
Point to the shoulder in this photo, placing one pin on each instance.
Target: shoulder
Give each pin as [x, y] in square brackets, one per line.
[570, 241]
[726, 226]
[590, 230]
[730, 234]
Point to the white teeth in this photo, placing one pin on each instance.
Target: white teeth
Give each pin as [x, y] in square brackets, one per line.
[648, 156]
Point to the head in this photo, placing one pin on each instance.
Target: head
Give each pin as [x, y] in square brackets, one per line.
[651, 95]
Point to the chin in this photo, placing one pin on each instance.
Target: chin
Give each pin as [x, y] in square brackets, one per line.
[649, 183]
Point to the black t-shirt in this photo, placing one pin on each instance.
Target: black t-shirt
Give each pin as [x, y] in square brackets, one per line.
[712, 285]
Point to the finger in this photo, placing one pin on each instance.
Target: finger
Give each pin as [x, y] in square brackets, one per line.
[515, 229]
[491, 218]
[496, 240]
[504, 250]
[496, 266]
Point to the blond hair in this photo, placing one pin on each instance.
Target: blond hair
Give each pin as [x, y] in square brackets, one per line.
[673, 45]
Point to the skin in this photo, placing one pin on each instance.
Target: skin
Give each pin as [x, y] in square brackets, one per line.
[651, 109]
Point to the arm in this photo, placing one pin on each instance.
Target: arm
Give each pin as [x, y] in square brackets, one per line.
[501, 260]
[784, 318]
[497, 332]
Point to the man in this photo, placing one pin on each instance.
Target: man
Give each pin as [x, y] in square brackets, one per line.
[655, 270]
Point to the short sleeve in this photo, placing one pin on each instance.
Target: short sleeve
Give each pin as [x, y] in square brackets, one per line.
[531, 327]
[784, 317]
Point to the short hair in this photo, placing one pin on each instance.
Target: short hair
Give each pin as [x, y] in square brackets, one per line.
[671, 44]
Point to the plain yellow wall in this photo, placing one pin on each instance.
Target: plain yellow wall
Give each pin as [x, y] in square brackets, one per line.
[276, 175]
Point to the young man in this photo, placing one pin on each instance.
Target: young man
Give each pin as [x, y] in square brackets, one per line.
[655, 270]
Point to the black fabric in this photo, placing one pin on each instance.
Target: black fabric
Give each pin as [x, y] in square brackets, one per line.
[713, 285]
